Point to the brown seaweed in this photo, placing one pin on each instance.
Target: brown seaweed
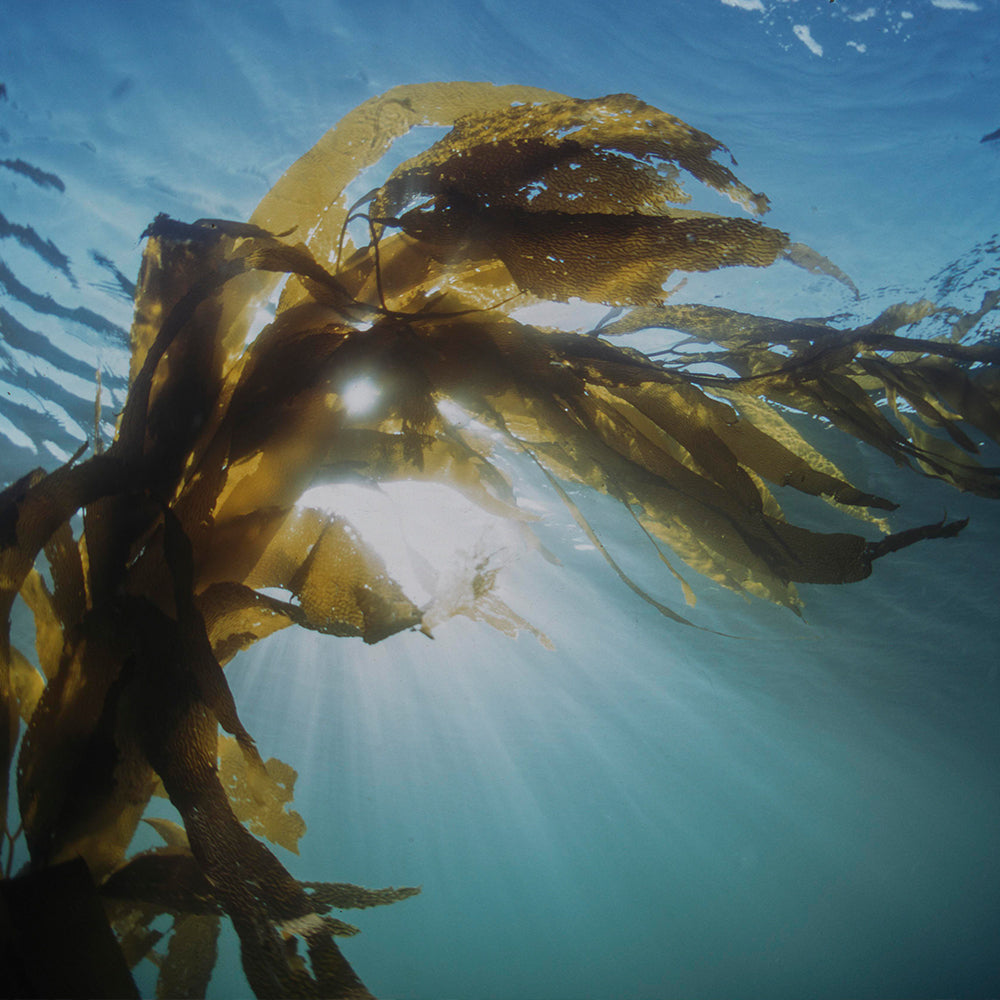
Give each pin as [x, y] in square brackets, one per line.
[194, 511]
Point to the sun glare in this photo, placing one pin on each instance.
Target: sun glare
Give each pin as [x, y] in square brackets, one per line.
[426, 534]
[360, 396]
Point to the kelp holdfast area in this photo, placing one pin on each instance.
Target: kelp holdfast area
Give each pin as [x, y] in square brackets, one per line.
[183, 541]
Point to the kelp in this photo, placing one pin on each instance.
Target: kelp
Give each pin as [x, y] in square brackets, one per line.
[186, 539]
[170, 881]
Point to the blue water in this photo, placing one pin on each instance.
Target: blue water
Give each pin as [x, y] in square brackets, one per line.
[812, 810]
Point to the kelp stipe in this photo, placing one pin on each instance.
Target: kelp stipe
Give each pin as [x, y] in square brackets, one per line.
[192, 521]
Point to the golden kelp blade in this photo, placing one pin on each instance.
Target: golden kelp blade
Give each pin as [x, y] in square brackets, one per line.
[310, 192]
[609, 155]
[843, 374]
[575, 198]
[27, 684]
[340, 584]
[260, 798]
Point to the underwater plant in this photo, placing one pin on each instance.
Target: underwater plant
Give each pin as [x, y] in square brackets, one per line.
[185, 540]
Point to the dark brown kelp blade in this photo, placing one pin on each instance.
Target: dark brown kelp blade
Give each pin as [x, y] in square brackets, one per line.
[614, 259]
[612, 154]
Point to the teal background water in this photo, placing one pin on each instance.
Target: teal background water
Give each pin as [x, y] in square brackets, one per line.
[811, 810]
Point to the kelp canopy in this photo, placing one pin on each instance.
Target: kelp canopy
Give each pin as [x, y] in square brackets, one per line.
[193, 542]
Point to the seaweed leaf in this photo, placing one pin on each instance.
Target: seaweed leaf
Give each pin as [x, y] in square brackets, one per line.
[612, 154]
[312, 188]
[179, 738]
[260, 798]
[191, 955]
[26, 683]
[82, 785]
[614, 259]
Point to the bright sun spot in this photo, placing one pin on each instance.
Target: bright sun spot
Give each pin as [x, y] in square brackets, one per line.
[360, 396]
[427, 534]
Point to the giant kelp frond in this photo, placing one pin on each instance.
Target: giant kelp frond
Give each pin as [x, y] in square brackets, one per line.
[575, 199]
[197, 540]
[843, 375]
[311, 192]
[611, 155]
[610, 258]
[169, 880]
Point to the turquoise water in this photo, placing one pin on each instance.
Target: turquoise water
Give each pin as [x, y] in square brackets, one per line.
[644, 811]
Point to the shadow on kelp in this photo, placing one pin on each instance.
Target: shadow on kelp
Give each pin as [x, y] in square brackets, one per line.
[194, 543]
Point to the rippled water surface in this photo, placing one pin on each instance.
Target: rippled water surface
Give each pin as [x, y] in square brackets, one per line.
[643, 811]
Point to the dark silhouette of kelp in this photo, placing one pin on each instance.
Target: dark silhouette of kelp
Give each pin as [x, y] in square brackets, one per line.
[193, 510]
[35, 174]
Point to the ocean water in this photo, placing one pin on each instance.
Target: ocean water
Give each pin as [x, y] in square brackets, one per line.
[811, 809]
